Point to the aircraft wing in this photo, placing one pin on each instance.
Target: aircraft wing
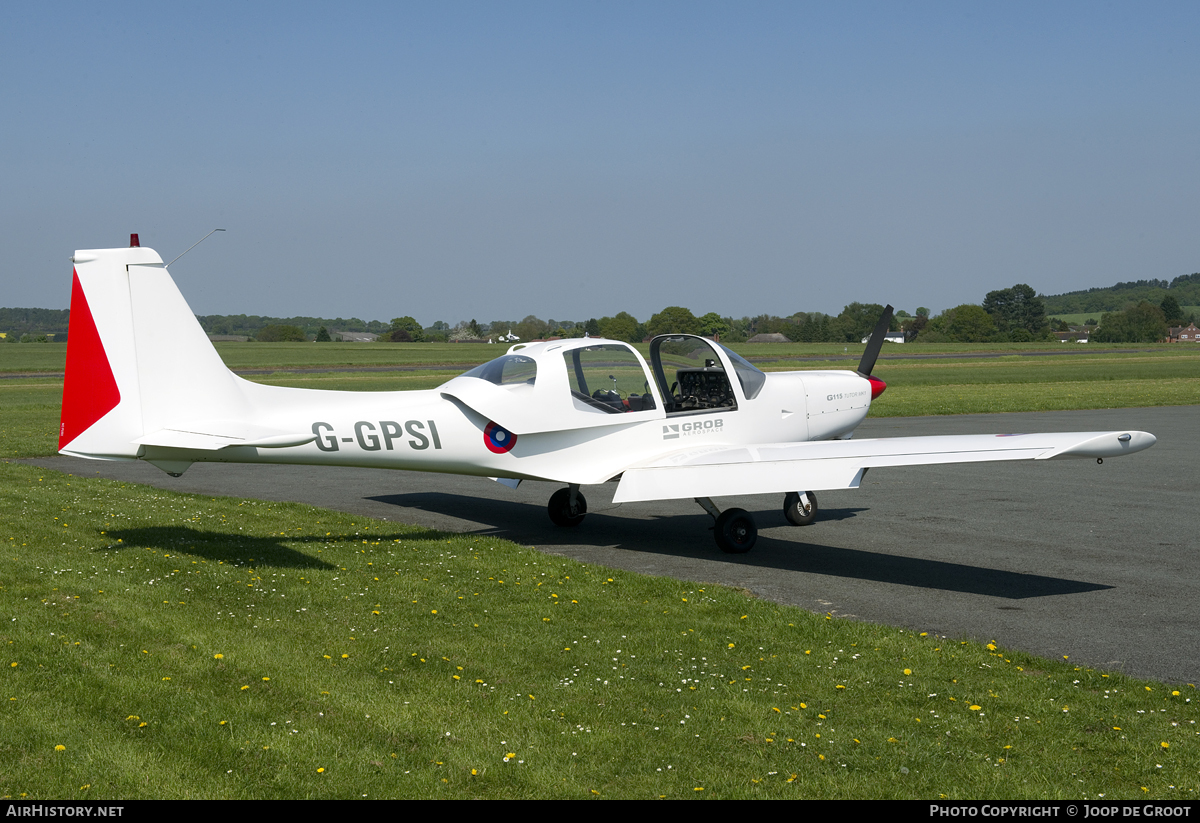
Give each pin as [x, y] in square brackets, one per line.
[767, 468]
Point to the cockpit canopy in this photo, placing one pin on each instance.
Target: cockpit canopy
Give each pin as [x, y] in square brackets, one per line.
[587, 382]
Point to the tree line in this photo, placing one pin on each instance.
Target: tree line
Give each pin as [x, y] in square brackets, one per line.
[1140, 311]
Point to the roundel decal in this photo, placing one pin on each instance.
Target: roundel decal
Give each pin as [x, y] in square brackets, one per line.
[498, 440]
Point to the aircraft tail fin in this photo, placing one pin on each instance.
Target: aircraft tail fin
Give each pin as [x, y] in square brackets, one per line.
[137, 359]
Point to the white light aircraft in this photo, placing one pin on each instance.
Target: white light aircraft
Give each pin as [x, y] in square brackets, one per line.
[143, 382]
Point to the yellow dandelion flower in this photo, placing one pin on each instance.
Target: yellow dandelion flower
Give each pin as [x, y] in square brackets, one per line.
[218, 657]
[975, 707]
[244, 688]
[908, 671]
[321, 770]
[60, 748]
[266, 679]
[1165, 744]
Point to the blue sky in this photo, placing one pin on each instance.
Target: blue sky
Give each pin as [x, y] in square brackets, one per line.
[571, 160]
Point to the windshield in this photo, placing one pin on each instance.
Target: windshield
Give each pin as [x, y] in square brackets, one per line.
[749, 376]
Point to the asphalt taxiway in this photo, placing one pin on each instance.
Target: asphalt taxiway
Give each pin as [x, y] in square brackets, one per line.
[1100, 563]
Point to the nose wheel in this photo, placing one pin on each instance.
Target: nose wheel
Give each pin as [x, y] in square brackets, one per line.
[800, 508]
[567, 507]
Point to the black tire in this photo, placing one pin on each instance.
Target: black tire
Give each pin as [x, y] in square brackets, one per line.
[560, 510]
[735, 531]
[796, 514]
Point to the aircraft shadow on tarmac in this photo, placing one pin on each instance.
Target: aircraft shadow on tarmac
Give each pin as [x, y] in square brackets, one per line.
[689, 536]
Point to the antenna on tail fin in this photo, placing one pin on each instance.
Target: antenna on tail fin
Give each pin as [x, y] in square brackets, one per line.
[189, 248]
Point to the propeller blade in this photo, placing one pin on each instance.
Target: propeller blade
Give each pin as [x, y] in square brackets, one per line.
[875, 343]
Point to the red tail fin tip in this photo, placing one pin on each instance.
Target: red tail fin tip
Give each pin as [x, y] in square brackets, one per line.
[89, 388]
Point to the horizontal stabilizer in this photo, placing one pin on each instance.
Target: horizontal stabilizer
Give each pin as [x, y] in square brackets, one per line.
[768, 468]
[213, 437]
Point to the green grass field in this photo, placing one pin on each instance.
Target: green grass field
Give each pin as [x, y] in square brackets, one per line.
[1079, 318]
[169, 646]
[175, 646]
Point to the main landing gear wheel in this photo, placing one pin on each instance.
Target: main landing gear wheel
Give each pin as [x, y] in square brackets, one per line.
[563, 512]
[735, 531]
[800, 509]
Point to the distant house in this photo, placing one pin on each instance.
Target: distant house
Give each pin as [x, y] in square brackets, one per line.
[353, 336]
[774, 337]
[1073, 336]
[1183, 334]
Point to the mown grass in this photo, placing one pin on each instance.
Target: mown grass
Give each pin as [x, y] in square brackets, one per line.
[183, 646]
[29, 412]
[457, 357]
[1017, 384]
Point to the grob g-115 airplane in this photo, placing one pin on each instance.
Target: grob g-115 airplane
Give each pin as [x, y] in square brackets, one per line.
[143, 382]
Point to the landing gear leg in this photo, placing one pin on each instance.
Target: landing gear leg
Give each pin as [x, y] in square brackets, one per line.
[734, 531]
[567, 506]
[800, 508]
